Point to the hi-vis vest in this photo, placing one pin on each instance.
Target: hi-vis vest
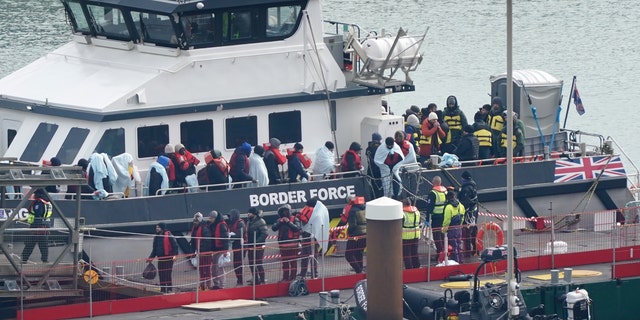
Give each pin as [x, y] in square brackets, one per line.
[496, 122]
[484, 137]
[48, 210]
[424, 139]
[503, 140]
[441, 199]
[410, 223]
[455, 123]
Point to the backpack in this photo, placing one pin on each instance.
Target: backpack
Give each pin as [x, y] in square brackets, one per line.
[298, 287]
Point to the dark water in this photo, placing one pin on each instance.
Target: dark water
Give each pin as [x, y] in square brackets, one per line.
[595, 40]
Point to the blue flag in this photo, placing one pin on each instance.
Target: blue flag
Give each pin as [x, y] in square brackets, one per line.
[577, 100]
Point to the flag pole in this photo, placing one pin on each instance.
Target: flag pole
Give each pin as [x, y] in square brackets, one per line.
[566, 115]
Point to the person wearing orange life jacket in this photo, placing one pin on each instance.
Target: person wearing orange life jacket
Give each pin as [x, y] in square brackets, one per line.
[220, 245]
[452, 224]
[354, 215]
[351, 160]
[295, 165]
[288, 229]
[201, 245]
[171, 169]
[39, 217]
[239, 163]
[435, 208]
[217, 170]
[273, 158]
[411, 225]
[185, 164]
[238, 237]
[309, 244]
[165, 248]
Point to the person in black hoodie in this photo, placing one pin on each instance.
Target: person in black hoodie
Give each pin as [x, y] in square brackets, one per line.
[257, 233]
[373, 171]
[201, 245]
[288, 229]
[456, 120]
[238, 236]
[469, 198]
[453, 217]
[165, 248]
[239, 163]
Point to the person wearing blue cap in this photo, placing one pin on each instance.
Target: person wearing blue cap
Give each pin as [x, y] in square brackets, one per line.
[157, 178]
[239, 163]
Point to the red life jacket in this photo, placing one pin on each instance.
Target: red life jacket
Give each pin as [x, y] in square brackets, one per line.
[280, 158]
[404, 146]
[222, 164]
[357, 161]
[304, 159]
[167, 243]
[392, 159]
[234, 229]
[305, 214]
[288, 234]
[217, 234]
[246, 161]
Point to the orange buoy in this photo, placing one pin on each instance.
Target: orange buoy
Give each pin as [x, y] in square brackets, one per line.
[490, 226]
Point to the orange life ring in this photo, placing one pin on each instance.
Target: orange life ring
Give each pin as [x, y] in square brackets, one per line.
[490, 226]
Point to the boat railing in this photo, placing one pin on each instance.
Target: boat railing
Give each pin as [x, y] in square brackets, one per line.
[228, 185]
[634, 177]
[586, 143]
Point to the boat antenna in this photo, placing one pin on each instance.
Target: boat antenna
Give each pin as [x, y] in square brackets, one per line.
[512, 305]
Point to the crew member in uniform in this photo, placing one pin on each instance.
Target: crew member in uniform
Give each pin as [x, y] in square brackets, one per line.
[411, 222]
[435, 208]
[39, 217]
[452, 224]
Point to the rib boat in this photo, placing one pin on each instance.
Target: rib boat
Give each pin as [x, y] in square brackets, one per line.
[138, 75]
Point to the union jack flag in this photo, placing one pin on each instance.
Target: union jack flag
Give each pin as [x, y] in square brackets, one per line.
[578, 101]
[588, 168]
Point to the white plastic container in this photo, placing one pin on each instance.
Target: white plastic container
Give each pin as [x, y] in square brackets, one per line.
[559, 247]
[574, 297]
[404, 54]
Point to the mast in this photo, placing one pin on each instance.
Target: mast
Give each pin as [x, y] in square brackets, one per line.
[512, 306]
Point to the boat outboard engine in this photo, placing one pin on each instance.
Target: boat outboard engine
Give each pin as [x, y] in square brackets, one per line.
[422, 304]
[577, 305]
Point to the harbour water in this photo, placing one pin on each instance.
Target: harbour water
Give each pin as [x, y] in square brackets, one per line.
[595, 40]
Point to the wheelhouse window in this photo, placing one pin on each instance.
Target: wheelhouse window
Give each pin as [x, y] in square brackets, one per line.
[11, 134]
[282, 20]
[109, 22]
[39, 142]
[151, 140]
[72, 144]
[112, 142]
[197, 136]
[155, 28]
[199, 30]
[78, 19]
[286, 126]
[239, 130]
[237, 25]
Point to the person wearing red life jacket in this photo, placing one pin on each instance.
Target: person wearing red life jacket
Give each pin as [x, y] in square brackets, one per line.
[273, 158]
[296, 168]
[165, 248]
[355, 216]
[201, 245]
[220, 245]
[239, 163]
[217, 171]
[351, 160]
[171, 169]
[185, 164]
[309, 245]
[238, 237]
[288, 230]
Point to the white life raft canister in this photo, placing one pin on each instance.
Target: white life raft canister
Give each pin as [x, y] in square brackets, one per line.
[404, 54]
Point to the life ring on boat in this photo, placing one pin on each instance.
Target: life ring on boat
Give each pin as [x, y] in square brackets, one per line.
[490, 226]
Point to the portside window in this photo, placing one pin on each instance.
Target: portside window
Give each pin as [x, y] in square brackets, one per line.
[199, 30]
[197, 136]
[72, 144]
[281, 21]
[11, 134]
[239, 130]
[78, 19]
[39, 142]
[151, 140]
[155, 28]
[112, 142]
[237, 25]
[109, 22]
[286, 126]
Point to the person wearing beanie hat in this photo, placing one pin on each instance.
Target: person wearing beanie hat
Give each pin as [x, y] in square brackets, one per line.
[372, 169]
[165, 248]
[453, 217]
[53, 162]
[296, 169]
[216, 173]
[456, 121]
[168, 148]
[273, 158]
[185, 165]
[257, 168]
[239, 165]
[412, 129]
[468, 196]
[288, 229]
[219, 246]
[202, 245]
[257, 232]
[237, 236]
[157, 178]
[169, 152]
[469, 145]
[325, 161]
[432, 135]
